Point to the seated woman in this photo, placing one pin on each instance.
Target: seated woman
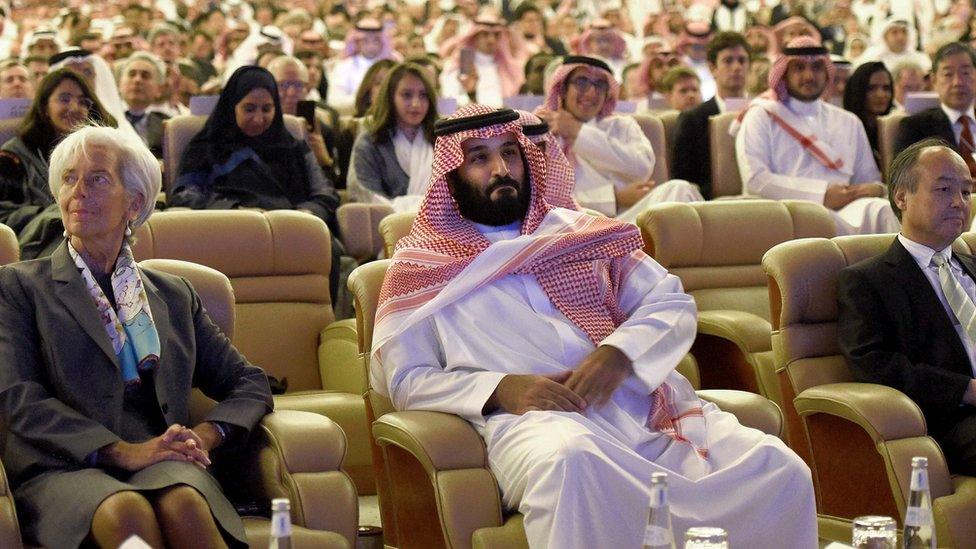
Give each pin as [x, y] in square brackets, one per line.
[870, 94]
[244, 157]
[63, 101]
[368, 90]
[392, 158]
[99, 356]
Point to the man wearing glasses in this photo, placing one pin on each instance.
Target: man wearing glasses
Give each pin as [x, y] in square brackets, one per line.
[613, 160]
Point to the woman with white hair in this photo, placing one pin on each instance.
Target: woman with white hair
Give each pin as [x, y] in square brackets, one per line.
[99, 359]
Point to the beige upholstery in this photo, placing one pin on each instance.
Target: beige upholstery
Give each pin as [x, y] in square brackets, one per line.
[359, 225]
[278, 263]
[9, 248]
[726, 180]
[437, 490]
[394, 227]
[716, 249]
[669, 119]
[8, 128]
[860, 437]
[179, 130]
[656, 133]
[888, 128]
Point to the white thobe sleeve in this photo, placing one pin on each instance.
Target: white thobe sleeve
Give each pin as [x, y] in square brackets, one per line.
[661, 323]
[754, 156]
[621, 150]
[412, 363]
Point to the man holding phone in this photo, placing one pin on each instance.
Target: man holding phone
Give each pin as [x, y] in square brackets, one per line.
[292, 78]
[483, 68]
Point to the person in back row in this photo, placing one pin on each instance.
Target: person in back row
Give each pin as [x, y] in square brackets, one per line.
[612, 157]
[795, 145]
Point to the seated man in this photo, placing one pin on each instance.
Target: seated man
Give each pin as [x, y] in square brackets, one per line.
[575, 392]
[799, 146]
[728, 59]
[954, 79]
[612, 157]
[906, 317]
[681, 87]
[143, 76]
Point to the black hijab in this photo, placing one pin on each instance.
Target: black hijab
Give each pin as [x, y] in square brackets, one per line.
[221, 137]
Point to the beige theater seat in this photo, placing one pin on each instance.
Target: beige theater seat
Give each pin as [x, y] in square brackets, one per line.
[278, 263]
[888, 128]
[716, 249]
[435, 488]
[860, 437]
[290, 454]
[359, 224]
[179, 130]
[726, 180]
[9, 248]
[656, 133]
[8, 128]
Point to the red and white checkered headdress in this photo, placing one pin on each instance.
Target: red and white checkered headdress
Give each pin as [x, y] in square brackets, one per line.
[799, 47]
[560, 175]
[557, 88]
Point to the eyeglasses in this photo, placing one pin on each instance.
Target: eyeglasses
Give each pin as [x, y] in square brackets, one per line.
[583, 84]
[65, 100]
[295, 85]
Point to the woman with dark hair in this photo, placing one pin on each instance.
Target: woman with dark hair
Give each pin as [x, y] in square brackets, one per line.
[870, 94]
[369, 87]
[244, 157]
[392, 159]
[64, 101]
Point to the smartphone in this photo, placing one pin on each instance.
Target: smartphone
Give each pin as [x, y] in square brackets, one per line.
[467, 60]
[306, 110]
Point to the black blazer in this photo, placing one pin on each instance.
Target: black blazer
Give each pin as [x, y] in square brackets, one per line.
[154, 132]
[692, 150]
[61, 389]
[893, 330]
[928, 123]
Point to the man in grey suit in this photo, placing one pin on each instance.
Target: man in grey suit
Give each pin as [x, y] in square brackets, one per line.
[142, 80]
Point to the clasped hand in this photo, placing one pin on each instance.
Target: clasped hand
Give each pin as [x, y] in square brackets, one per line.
[178, 443]
[590, 384]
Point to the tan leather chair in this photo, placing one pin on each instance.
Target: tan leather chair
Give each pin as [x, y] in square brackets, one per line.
[278, 263]
[669, 119]
[291, 454]
[860, 437]
[436, 489]
[394, 227]
[359, 224]
[9, 248]
[656, 132]
[9, 128]
[179, 130]
[726, 180]
[716, 249]
[888, 128]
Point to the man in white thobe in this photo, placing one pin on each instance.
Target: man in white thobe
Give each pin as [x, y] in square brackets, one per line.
[575, 392]
[612, 157]
[481, 65]
[798, 146]
[365, 45]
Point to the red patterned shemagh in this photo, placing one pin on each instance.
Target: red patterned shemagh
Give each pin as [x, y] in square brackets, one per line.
[560, 176]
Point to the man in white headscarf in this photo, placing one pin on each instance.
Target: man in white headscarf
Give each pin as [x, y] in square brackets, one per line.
[793, 144]
[99, 75]
[366, 44]
[895, 42]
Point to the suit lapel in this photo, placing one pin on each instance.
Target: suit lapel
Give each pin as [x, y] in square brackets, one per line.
[945, 127]
[160, 314]
[71, 290]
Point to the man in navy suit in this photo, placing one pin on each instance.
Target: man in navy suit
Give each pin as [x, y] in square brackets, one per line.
[906, 317]
[954, 78]
[728, 60]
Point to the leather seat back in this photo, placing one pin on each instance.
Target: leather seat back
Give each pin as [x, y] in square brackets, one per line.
[9, 247]
[655, 131]
[888, 128]
[278, 263]
[726, 180]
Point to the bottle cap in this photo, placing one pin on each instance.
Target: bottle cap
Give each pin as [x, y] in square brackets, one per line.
[919, 461]
[280, 504]
[659, 478]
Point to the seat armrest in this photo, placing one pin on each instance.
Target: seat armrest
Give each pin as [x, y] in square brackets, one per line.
[299, 456]
[9, 528]
[749, 332]
[340, 364]
[358, 225]
[884, 413]
[437, 440]
[750, 409]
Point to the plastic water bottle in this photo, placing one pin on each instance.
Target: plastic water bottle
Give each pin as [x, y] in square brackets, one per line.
[658, 533]
[280, 524]
[919, 526]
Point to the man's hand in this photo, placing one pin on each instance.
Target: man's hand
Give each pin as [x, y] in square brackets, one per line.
[599, 375]
[839, 195]
[469, 83]
[561, 123]
[871, 189]
[177, 444]
[632, 193]
[518, 394]
[317, 144]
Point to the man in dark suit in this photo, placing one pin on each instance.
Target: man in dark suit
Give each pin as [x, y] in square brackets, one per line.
[906, 317]
[728, 60]
[954, 78]
[143, 76]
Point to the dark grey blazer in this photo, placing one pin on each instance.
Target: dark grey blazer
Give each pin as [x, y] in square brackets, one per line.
[61, 389]
[377, 168]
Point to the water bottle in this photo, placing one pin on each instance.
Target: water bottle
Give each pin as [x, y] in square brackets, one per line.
[658, 533]
[919, 526]
[280, 524]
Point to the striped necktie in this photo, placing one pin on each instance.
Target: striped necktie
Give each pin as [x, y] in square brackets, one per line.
[967, 146]
[960, 302]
